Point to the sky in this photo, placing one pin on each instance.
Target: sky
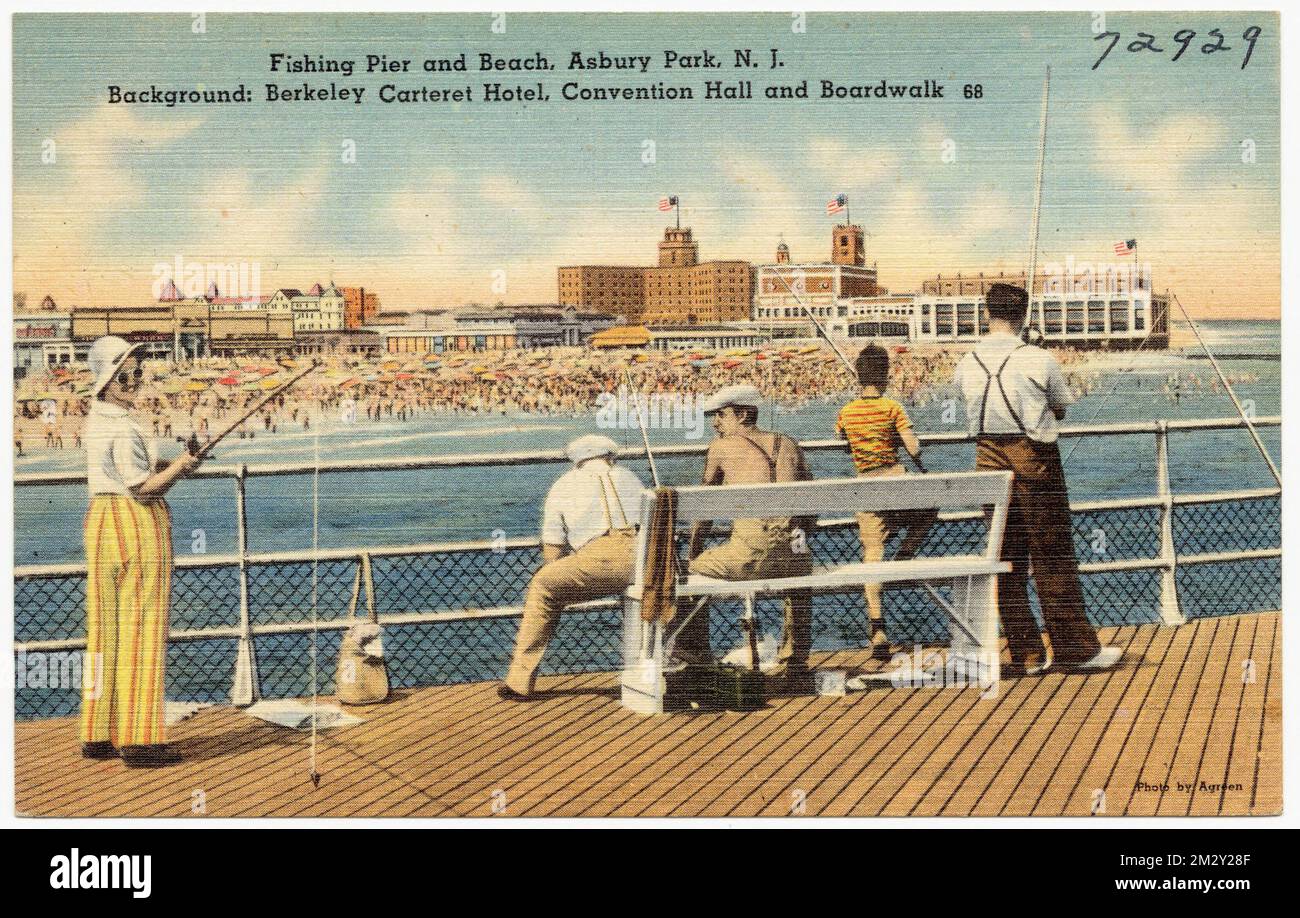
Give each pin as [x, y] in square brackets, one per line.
[473, 203]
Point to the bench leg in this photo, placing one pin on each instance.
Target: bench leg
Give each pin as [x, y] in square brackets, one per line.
[643, 685]
[975, 603]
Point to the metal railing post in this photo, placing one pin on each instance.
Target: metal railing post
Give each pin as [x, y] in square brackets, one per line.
[246, 688]
[1170, 611]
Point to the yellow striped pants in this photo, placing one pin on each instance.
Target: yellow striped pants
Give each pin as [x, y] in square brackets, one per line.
[128, 596]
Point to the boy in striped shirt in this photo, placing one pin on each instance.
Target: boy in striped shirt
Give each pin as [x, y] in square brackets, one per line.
[875, 426]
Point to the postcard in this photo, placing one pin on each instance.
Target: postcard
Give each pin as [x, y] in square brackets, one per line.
[719, 414]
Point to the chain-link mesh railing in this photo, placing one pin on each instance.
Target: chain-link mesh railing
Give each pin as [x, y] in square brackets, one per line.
[455, 589]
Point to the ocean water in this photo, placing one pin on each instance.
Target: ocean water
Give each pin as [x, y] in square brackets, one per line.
[389, 508]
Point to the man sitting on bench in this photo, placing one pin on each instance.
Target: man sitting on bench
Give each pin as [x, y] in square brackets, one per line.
[743, 453]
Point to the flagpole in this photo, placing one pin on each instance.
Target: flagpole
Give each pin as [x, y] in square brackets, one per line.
[678, 208]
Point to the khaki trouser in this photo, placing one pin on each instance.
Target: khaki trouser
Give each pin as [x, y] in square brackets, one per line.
[756, 549]
[1039, 531]
[602, 567]
[875, 530]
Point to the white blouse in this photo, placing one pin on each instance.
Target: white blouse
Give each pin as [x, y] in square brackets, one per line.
[119, 456]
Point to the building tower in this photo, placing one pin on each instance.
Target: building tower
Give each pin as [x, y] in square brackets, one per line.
[847, 245]
[782, 253]
[678, 249]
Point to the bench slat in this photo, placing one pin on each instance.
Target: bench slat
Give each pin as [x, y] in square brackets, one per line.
[843, 576]
[948, 491]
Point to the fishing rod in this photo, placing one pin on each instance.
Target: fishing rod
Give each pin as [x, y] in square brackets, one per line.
[1038, 199]
[645, 438]
[201, 450]
[1259, 444]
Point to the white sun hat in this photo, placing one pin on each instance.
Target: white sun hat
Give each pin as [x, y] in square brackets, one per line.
[106, 357]
[589, 447]
[739, 396]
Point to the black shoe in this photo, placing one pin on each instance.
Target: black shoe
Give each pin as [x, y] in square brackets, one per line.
[155, 756]
[101, 749]
[506, 693]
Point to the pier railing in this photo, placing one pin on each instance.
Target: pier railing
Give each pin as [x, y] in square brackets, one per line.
[244, 624]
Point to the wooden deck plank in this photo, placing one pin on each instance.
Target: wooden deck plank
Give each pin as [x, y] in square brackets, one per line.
[807, 764]
[1013, 791]
[1203, 709]
[1141, 702]
[513, 726]
[872, 798]
[1178, 707]
[1157, 760]
[1206, 796]
[878, 749]
[1081, 740]
[1267, 793]
[1240, 768]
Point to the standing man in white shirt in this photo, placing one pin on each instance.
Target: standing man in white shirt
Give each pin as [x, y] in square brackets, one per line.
[128, 568]
[1015, 396]
[589, 525]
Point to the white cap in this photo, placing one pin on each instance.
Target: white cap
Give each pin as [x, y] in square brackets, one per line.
[106, 357]
[589, 447]
[742, 395]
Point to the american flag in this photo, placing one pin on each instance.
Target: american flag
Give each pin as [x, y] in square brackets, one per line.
[668, 203]
[836, 204]
[1126, 248]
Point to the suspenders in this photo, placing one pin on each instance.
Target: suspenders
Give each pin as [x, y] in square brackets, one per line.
[988, 384]
[771, 459]
[609, 519]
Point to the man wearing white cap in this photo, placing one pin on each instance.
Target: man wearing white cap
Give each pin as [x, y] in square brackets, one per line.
[588, 536]
[743, 453]
[129, 567]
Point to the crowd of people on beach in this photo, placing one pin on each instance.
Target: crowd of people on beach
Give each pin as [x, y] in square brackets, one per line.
[178, 400]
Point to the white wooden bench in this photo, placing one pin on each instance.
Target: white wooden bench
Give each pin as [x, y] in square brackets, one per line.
[972, 609]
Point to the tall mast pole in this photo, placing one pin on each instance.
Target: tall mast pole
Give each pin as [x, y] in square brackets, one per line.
[1038, 195]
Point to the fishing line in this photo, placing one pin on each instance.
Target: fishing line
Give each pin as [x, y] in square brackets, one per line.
[1119, 379]
[1259, 444]
[315, 619]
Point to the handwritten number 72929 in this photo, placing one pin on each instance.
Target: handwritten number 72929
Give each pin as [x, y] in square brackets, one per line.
[1145, 41]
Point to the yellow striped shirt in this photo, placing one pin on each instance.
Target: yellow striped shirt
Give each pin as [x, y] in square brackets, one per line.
[872, 426]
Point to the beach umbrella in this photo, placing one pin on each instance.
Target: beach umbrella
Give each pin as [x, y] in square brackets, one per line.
[204, 374]
[403, 377]
[731, 364]
[268, 371]
[172, 387]
[268, 383]
[349, 383]
[231, 380]
[196, 385]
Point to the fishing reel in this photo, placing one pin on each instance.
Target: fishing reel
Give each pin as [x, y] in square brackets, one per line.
[192, 445]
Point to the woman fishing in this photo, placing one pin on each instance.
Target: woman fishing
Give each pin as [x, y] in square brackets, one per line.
[129, 568]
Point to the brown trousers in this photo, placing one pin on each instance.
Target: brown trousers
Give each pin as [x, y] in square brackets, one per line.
[602, 567]
[1038, 531]
[756, 549]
